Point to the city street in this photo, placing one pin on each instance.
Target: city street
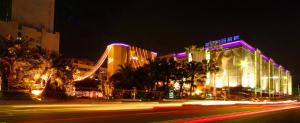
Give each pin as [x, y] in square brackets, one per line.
[285, 116]
[149, 112]
[135, 61]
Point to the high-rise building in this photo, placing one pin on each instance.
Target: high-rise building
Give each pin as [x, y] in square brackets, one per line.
[33, 18]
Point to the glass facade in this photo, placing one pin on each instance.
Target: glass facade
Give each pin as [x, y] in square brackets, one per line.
[241, 66]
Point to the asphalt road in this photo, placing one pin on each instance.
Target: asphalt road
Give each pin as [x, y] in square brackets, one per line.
[284, 116]
[148, 112]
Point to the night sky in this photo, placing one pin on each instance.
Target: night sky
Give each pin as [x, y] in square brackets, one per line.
[167, 26]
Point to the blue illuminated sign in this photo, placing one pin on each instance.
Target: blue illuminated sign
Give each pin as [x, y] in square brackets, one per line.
[223, 40]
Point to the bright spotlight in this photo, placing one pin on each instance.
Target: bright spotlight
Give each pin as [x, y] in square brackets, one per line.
[36, 92]
[244, 63]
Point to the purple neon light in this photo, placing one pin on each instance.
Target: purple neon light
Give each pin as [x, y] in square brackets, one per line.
[276, 65]
[283, 69]
[248, 46]
[119, 44]
[265, 57]
[231, 44]
[244, 44]
[183, 54]
[238, 43]
[234, 44]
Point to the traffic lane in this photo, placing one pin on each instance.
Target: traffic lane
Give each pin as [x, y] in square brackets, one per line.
[283, 116]
[157, 114]
[221, 117]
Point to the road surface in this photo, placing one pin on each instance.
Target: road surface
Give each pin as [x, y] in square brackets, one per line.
[149, 112]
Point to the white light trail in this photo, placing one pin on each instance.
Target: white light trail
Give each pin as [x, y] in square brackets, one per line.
[97, 65]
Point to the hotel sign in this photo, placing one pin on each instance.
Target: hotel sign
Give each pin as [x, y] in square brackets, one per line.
[223, 40]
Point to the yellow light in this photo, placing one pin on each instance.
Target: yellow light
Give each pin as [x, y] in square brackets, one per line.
[244, 63]
[190, 58]
[134, 58]
[110, 60]
[45, 77]
[207, 55]
[198, 92]
[176, 86]
[36, 92]
[36, 76]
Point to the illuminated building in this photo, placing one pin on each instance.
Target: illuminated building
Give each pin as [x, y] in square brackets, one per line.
[121, 54]
[118, 54]
[245, 67]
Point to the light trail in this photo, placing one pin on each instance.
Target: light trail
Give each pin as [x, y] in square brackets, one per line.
[90, 107]
[158, 112]
[233, 115]
[97, 65]
[159, 109]
[236, 102]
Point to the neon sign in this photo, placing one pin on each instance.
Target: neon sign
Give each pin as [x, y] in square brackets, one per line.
[223, 40]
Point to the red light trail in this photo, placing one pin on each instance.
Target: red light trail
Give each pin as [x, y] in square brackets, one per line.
[229, 116]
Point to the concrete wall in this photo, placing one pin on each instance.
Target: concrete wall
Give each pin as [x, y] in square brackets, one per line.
[47, 40]
[50, 41]
[34, 13]
[8, 28]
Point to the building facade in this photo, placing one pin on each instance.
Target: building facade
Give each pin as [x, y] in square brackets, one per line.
[121, 54]
[34, 19]
[243, 69]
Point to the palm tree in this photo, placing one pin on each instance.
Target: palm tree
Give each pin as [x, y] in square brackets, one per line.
[167, 68]
[193, 68]
[195, 65]
[124, 77]
[195, 53]
[154, 70]
[180, 74]
[215, 50]
[213, 68]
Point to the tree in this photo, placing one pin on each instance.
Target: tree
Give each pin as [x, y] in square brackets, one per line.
[180, 74]
[194, 65]
[167, 69]
[154, 71]
[24, 64]
[193, 68]
[4, 64]
[214, 49]
[195, 53]
[60, 74]
[124, 77]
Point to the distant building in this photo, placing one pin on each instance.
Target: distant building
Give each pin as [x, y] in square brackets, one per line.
[85, 66]
[33, 18]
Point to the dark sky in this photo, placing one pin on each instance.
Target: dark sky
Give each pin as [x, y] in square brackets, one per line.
[167, 26]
